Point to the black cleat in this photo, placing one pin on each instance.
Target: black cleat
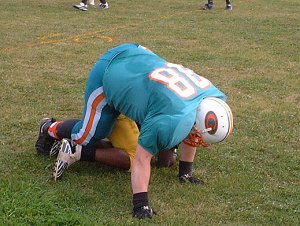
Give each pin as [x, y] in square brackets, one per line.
[45, 141]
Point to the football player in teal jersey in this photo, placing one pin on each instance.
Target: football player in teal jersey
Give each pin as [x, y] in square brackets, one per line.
[172, 104]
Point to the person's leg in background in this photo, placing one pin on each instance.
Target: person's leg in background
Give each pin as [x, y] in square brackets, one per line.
[228, 5]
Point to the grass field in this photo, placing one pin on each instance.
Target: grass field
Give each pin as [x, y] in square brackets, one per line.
[47, 49]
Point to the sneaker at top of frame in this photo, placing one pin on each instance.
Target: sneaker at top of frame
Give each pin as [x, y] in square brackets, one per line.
[228, 7]
[81, 6]
[103, 6]
[208, 6]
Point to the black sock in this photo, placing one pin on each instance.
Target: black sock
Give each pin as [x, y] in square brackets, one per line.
[140, 199]
[185, 168]
[88, 154]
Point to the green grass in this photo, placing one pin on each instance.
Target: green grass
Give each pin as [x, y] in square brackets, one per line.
[47, 49]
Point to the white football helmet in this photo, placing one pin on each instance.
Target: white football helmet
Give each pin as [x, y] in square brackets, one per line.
[214, 123]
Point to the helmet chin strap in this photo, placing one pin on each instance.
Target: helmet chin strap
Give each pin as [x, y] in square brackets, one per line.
[195, 138]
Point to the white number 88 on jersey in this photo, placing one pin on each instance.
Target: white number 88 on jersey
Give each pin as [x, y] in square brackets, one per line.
[180, 80]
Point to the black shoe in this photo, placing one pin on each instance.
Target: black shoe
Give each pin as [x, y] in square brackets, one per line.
[208, 6]
[45, 141]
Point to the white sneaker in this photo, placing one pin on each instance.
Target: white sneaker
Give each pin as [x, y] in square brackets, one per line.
[103, 6]
[81, 6]
[69, 153]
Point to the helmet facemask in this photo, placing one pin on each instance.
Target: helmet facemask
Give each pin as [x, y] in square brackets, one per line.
[195, 138]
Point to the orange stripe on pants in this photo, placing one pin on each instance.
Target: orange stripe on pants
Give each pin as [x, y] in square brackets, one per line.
[96, 102]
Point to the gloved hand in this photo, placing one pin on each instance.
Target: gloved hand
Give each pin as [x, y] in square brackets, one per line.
[188, 178]
[143, 212]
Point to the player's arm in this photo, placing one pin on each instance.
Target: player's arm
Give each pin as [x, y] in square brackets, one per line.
[141, 170]
[140, 176]
[186, 164]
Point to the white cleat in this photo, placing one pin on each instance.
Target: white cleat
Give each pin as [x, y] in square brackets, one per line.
[69, 153]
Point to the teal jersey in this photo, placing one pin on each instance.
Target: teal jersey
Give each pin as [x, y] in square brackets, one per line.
[162, 97]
